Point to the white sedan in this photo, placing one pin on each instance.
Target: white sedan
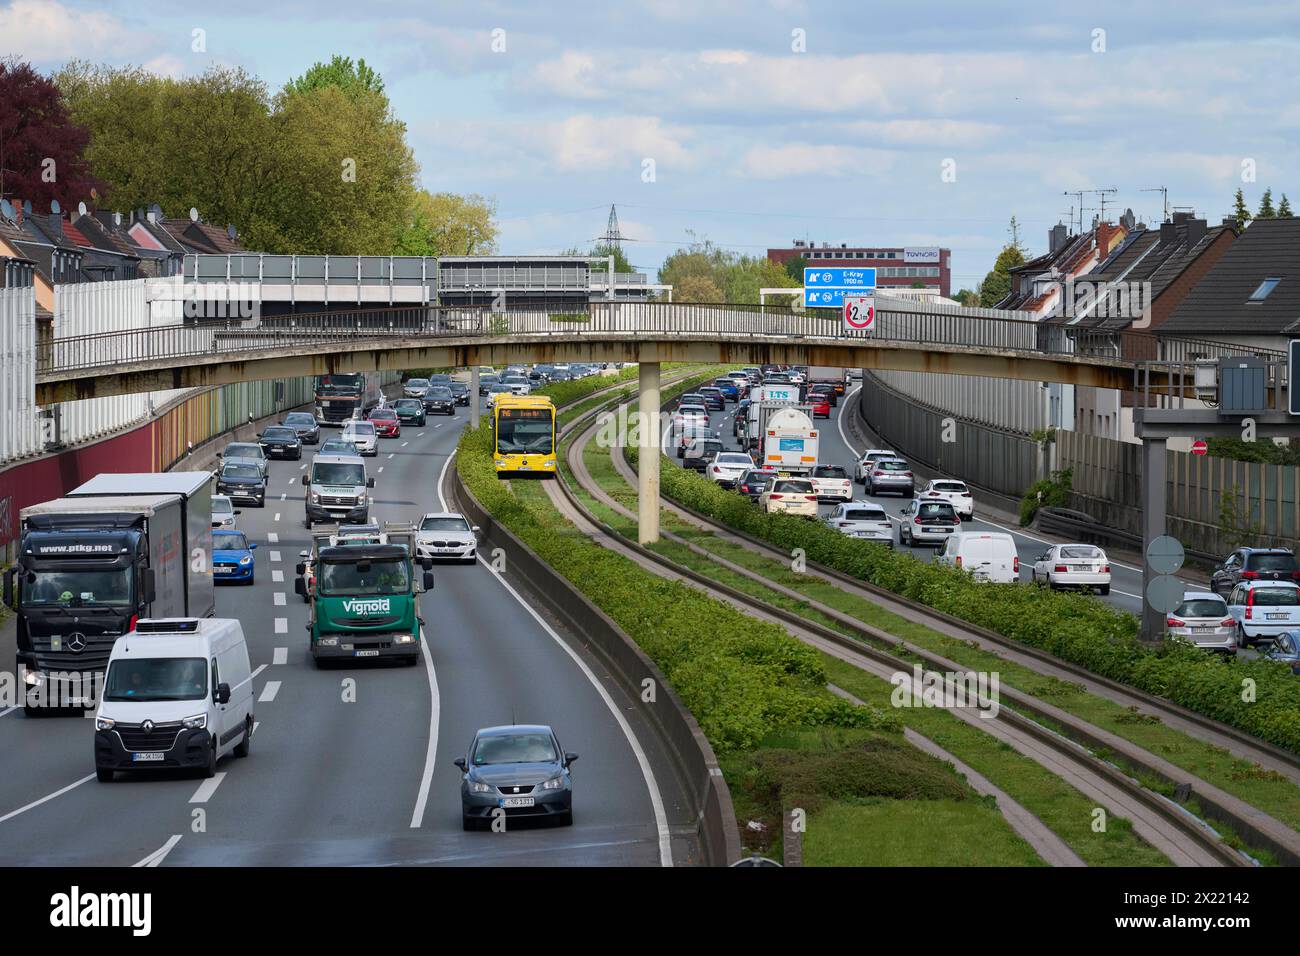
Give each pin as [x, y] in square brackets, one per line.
[832, 482]
[727, 467]
[952, 491]
[1073, 566]
[443, 535]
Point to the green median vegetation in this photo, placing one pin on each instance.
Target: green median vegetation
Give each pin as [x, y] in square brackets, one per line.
[1258, 696]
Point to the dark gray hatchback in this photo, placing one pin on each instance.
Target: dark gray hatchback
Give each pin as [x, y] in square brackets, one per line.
[515, 771]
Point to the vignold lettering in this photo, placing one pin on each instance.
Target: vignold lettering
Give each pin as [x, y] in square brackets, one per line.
[366, 605]
[74, 909]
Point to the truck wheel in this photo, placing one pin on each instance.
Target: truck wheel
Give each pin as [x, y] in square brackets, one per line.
[307, 522]
[104, 775]
[241, 748]
[210, 769]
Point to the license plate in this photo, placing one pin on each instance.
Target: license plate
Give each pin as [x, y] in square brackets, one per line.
[277, 448]
[509, 802]
[1277, 617]
[142, 758]
[935, 530]
[223, 570]
[369, 653]
[523, 467]
[1202, 630]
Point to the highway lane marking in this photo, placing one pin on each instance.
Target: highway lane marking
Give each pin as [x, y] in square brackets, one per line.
[278, 597]
[207, 788]
[281, 656]
[272, 538]
[269, 690]
[391, 454]
[277, 577]
[380, 471]
[283, 496]
[647, 772]
[47, 798]
[8, 711]
[302, 467]
[431, 752]
[160, 854]
[260, 668]
[420, 435]
[282, 625]
[275, 555]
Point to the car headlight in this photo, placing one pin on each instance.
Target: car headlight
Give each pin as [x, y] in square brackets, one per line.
[478, 786]
[246, 560]
[403, 639]
[361, 498]
[105, 723]
[315, 498]
[197, 722]
[555, 783]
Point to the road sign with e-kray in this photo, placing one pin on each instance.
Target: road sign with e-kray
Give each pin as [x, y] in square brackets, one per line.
[828, 287]
[860, 313]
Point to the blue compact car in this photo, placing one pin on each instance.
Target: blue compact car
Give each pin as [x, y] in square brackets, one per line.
[232, 557]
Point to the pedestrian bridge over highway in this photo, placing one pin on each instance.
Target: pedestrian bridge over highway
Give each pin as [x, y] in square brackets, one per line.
[201, 352]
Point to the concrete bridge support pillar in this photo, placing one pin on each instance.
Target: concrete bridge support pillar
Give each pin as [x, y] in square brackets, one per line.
[648, 444]
[474, 399]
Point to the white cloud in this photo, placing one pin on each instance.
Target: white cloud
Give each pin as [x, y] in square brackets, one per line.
[47, 32]
[804, 159]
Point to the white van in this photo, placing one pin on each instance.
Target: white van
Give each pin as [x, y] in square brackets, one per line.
[987, 555]
[178, 693]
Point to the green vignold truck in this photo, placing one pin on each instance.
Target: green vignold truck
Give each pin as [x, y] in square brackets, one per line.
[365, 598]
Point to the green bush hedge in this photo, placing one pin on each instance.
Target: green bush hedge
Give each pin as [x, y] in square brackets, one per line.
[1075, 627]
[742, 679]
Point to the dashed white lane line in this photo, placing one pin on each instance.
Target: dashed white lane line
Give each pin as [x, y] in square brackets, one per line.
[275, 555]
[47, 798]
[420, 435]
[293, 481]
[269, 690]
[272, 538]
[283, 496]
[278, 597]
[256, 724]
[302, 467]
[160, 854]
[260, 668]
[281, 656]
[439, 425]
[404, 444]
[282, 625]
[380, 471]
[207, 788]
[277, 577]
[391, 454]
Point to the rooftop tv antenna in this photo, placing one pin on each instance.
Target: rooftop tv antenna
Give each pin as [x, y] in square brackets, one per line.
[1078, 195]
[1101, 200]
[1164, 197]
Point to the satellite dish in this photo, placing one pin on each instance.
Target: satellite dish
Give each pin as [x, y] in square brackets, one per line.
[194, 214]
[27, 207]
[6, 209]
[81, 209]
[230, 230]
[55, 208]
[156, 210]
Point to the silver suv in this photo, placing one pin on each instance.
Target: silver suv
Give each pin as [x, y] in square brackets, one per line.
[336, 490]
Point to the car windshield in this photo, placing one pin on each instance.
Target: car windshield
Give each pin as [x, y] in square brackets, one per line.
[230, 541]
[157, 678]
[240, 471]
[280, 434]
[437, 391]
[1202, 607]
[525, 431]
[705, 449]
[793, 488]
[500, 389]
[1081, 551]
[412, 403]
[439, 379]
[77, 588]
[383, 414]
[891, 466]
[1276, 597]
[691, 398]
[514, 748]
[363, 429]
[378, 577]
[865, 514]
[417, 383]
[935, 509]
[338, 473]
[336, 446]
[299, 418]
[829, 471]
[222, 506]
[449, 523]
[1271, 562]
[948, 486]
[242, 450]
[735, 458]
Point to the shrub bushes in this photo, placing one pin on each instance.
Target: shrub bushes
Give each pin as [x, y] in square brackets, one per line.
[1074, 627]
[742, 679]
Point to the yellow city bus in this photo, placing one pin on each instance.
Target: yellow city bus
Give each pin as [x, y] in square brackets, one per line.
[523, 435]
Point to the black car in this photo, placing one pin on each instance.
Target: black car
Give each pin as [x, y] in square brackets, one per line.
[714, 400]
[700, 452]
[518, 771]
[410, 411]
[242, 482]
[280, 441]
[1254, 564]
[460, 392]
[750, 483]
[305, 424]
[438, 398]
[827, 392]
[485, 382]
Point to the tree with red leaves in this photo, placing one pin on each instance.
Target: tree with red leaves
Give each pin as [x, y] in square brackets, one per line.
[40, 146]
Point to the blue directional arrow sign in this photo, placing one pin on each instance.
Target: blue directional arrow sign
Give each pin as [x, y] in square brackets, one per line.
[826, 288]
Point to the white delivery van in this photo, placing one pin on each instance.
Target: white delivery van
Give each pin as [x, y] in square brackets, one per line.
[987, 555]
[178, 693]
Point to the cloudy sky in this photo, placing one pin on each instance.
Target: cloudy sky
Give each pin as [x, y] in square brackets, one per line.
[754, 123]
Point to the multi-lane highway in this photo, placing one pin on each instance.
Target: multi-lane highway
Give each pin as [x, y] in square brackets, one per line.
[840, 446]
[355, 765]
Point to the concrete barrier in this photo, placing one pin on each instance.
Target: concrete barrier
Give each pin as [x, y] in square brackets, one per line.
[696, 765]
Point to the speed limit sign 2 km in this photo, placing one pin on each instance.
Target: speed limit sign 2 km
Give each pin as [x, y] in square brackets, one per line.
[860, 313]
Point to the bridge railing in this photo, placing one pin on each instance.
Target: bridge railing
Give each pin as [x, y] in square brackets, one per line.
[193, 339]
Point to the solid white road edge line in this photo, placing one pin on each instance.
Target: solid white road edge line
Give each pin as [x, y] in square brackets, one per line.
[207, 788]
[47, 798]
[431, 752]
[656, 798]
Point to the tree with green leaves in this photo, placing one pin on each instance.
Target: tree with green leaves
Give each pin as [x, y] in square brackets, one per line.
[697, 288]
[1266, 210]
[997, 284]
[967, 297]
[1284, 208]
[445, 224]
[794, 268]
[1240, 211]
[354, 79]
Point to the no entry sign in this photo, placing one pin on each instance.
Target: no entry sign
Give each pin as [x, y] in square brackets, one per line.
[860, 313]
[1199, 447]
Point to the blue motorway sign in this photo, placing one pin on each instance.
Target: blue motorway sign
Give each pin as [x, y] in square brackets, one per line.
[831, 298]
[839, 278]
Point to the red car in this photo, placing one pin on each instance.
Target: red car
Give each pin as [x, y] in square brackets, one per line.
[386, 423]
[821, 406]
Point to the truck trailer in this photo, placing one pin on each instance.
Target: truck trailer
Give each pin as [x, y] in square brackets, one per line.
[118, 548]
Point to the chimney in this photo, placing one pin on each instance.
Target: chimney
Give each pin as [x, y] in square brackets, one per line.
[1108, 235]
[1056, 237]
[1168, 232]
[1182, 216]
[1196, 229]
[1231, 223]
